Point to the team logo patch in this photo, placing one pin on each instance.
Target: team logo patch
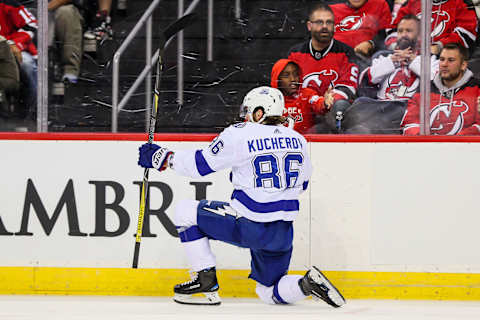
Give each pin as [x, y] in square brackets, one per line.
[398, 80]
[218, 207]
[319, 81]
[439, 21]
[350, 23]
[448, 119]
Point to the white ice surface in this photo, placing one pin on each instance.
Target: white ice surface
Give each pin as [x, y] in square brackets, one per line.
[149, 308]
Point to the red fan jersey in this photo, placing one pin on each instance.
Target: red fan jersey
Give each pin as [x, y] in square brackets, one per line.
[17, 24]
[452, 110]
[301, 106]
[452, 21]
[334, 66]
[353, 26]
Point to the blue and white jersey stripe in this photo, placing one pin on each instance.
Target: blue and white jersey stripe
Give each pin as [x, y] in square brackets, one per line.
[265, 211]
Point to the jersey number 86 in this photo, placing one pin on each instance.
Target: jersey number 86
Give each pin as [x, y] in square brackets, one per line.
[269, 171]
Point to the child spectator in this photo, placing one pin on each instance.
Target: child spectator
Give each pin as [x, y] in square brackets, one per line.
[325, 63]
[301, 104]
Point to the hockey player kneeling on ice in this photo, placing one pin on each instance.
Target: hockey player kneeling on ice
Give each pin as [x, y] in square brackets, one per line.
[270, 168]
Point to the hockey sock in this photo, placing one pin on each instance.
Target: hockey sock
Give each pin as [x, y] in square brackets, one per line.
[199, 254]
[287, 289]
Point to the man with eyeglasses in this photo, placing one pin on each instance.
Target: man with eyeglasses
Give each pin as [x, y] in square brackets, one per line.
[326, 62]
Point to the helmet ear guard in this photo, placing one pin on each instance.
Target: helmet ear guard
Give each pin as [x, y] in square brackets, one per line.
[269, 99]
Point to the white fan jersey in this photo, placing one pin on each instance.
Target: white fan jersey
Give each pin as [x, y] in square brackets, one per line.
[270, 168]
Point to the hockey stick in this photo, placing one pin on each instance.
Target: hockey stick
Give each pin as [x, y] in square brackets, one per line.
[171, 30]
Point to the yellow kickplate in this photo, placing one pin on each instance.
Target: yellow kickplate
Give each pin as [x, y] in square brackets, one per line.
[233, 283]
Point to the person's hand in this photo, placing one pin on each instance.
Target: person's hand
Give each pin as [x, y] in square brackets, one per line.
[328, 96]
[410, 55]
[16, 52]
[364, 48]
[435, 49]
[153, 156]
[402, 57]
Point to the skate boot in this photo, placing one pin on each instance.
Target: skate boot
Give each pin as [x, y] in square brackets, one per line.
[315, 283]
[202, 289]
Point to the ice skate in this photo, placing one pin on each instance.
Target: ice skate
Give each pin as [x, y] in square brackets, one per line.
[315, 283]
[201, 290]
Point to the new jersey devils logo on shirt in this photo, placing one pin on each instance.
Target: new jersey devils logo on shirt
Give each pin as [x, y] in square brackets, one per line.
[398, 79]
[350, 23]
[319, 81]
[439, 19]
[439, 22]
[448, 119]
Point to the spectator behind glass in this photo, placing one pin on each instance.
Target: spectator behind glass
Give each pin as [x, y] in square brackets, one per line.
[301, 104]
[65, 26]
[396, 74]
[393, 78]
[453, 99]
[357, 22]
[9, 76]
[326, 62]
[452, 21]
[19, 27]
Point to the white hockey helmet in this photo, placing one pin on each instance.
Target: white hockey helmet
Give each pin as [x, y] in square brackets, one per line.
[269, 99]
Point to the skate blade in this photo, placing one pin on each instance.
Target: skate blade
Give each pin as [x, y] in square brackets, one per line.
[335, 296]
[204, 298]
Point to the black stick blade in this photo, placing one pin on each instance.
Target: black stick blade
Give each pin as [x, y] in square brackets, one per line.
[179, 25]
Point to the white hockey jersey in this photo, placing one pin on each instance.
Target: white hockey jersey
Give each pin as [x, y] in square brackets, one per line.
[396, 82]
[270, 168]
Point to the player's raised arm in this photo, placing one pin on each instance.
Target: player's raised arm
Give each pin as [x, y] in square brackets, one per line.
[193, 163]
